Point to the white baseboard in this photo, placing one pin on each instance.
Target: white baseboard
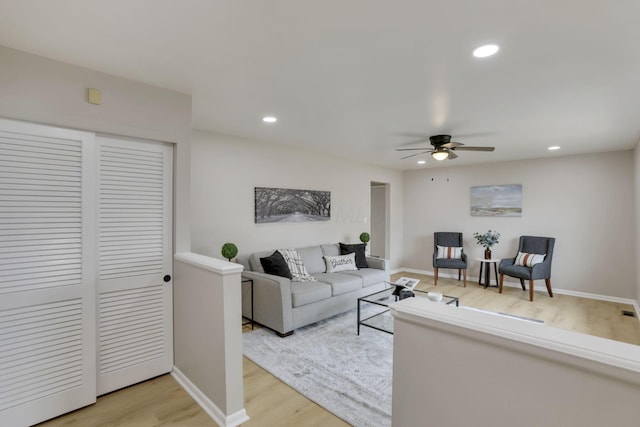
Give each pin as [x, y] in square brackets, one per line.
[207, 405]
[541, 288]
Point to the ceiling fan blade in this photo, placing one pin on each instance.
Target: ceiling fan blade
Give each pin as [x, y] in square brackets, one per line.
[452, 155]
[465, 148]
[452, 144]
[413, 155]
[411, 149]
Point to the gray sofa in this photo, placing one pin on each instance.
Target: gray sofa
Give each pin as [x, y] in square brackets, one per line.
[284, 305]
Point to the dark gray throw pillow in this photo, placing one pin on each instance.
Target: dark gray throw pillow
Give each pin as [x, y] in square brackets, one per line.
[361, 258]
[276, 265]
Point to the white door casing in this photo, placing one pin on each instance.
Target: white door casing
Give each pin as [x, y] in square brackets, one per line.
[47, 265]
[135, 324]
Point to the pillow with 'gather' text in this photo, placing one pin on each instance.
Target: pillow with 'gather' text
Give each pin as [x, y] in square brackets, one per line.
[341, 263]
[529, 260]
[359, 249]
[450, 252]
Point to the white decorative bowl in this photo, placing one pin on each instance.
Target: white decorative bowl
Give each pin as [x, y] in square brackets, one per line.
[435, 296]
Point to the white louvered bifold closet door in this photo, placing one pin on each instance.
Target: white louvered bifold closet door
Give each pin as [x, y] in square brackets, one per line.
[135, 324]
[47, 272]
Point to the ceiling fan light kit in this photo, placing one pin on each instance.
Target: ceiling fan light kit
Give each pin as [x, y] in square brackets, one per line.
[440, 154]
[443, 148]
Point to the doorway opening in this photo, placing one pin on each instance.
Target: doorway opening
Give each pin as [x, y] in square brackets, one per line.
[380, 224]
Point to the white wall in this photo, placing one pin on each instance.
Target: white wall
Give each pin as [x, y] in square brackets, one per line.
[586, 202]
[209, 307]
[226, 169]
[40, 90]
[637, 219]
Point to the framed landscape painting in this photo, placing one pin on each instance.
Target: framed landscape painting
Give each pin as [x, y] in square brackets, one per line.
[496, 200]
[287, 205]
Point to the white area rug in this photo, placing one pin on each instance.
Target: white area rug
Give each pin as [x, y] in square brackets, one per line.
[347, 374]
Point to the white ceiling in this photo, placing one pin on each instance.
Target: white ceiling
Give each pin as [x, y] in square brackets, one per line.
[350, 77]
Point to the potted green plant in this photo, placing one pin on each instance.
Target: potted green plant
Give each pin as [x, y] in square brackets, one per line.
[487, 240]
[365, 237]
[229, 250]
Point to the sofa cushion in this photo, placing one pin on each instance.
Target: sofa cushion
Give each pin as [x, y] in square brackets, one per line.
[341, 283]
[312, 259]
[254, 260]
[298, 271]
[340, 263]
[450, 263]
[332, 249]
[275, 264]
[303, 293]
[361, 258]
[516, 271]
[369, 276]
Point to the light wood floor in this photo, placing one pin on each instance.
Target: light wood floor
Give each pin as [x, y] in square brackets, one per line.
[269, 402]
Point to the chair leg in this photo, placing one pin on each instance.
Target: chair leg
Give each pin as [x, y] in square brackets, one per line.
[548, 283]
[501, 282]
[435, 276]
[530, 290]
[459, 271]
[522, 284]
[465, 277]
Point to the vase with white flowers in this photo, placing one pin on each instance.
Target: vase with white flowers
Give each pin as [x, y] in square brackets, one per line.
[487, 240]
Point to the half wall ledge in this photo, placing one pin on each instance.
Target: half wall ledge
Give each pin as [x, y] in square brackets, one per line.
[208, 263]
[506, 371]
[208, 335]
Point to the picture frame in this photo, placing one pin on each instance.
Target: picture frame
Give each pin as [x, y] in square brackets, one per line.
[497, 200]
[291, 205]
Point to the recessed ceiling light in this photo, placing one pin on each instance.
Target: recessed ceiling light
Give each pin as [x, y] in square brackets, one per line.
[486, 50]
[555, 147]
[422, 162]
[269, 119]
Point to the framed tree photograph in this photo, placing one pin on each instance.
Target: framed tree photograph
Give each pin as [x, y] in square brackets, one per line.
[288, 205]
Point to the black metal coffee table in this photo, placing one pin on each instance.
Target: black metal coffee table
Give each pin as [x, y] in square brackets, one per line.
[382, 319]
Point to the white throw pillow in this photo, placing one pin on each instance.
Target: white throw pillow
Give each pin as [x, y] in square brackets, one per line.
[529, 260]
[450, 252]
[341, 263]
[294, 262]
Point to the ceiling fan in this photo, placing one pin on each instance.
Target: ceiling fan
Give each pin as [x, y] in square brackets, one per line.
[443, 148]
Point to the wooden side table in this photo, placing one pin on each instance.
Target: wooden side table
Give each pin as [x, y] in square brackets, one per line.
[247, 321]
[486, 265]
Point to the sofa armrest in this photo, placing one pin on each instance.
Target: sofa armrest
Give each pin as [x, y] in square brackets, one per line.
[272, 306]
[378, 263]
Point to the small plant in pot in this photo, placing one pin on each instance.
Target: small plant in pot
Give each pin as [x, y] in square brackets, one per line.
[365, 237]
[487, 240]
[229, 250]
